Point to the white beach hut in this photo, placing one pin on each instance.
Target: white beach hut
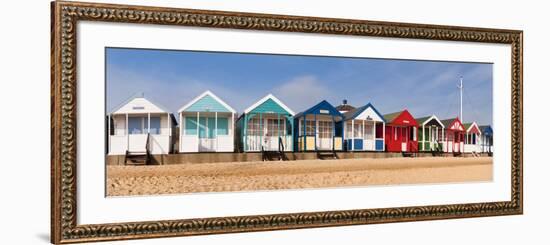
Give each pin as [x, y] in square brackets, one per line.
[364, 129]
[140, 126]
[206, 125]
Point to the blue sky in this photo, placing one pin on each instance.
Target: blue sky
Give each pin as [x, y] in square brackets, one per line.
[173, 78]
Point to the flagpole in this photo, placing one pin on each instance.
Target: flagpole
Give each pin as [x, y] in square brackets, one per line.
[461, 87]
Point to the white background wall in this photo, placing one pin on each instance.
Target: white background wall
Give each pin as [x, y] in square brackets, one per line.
[25, 85]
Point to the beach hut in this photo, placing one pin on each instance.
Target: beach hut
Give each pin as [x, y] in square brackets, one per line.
[471, 141]
[363, 129]
[266, 125]
[401, 132]
[318, 128]
[486, 138]
[453, 140]
[140, 127]
[430, 133]
[206, 125]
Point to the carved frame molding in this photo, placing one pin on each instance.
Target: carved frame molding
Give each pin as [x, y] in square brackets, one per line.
[65, 16]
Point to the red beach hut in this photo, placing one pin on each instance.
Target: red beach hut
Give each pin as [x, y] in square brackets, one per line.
[401, 132]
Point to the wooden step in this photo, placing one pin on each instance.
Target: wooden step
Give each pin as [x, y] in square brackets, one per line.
[407, 154]
[326, 154]
[272, 155]
[137, 158]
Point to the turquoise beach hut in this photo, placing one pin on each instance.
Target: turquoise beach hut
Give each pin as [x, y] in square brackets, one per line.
[266, 125]
[318, 128]
[206, 125]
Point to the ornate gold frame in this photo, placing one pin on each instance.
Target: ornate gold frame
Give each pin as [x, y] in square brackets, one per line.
[65, 15]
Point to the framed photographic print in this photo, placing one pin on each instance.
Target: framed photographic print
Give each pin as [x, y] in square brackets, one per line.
[175, 122]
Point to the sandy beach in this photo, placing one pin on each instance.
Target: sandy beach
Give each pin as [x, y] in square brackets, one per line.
[276, 175]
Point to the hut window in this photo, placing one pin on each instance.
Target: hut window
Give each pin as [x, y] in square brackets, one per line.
[253, 127]
[368, 131]
[349, 129]
[358, 130]
[223, 126]
[190, 126]
[394, 133]
[275, 127]
[310, 127]
[206, 127]
[325, 129]
[135, 125]
[473, 139]
[154, 125]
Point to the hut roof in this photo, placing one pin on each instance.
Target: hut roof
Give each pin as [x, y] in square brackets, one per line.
[345, 107]
[138, 104]
[207, 102]
[321, 108]
[449, 123]
[269, 104]
[471, 126]
[391, 116]
[401, 117]
[424, 120]
[486, 129]
[357, 111]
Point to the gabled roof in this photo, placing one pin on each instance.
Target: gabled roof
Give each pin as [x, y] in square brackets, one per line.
[391, 116]
[405, 118]
[356, 112]
[449, 123]
[425, 120]
[137, 104]
[486, 129]
[207, 101]
[321, 108]
[269, 100]
[345, 107]
[471, 126]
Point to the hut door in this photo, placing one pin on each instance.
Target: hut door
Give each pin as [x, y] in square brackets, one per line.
[456, 147]
[404, 138]
[206, 134]
[275, 129]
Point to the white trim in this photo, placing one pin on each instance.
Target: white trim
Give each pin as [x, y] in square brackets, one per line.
[205, 93]
[361, 115]
[264, 99]
[473, 123]
[160, 108]
[433, 117]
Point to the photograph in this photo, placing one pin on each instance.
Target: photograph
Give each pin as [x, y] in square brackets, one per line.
[190, 121]
[177, 119]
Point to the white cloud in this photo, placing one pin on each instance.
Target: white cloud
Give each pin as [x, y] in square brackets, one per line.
[301, 92]
[169, 90]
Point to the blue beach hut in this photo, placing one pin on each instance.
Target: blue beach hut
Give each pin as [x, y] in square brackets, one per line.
[486, 138]
[318, 128]
[266, 125]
